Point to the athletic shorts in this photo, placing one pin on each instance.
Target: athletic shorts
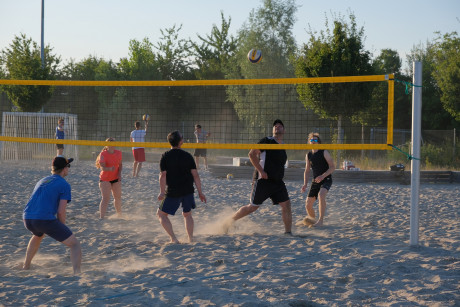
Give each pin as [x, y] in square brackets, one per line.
[139, 154]
[111, 181]
[199, 152]
[60, 146]
[53, 228]
[315, 187]
[265, 188]
[170, 205]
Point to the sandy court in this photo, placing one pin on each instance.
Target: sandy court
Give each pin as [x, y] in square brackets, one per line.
[360, 257]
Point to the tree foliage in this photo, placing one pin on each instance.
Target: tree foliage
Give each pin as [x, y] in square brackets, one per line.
[447, 72]
[22, 61]
[434, 116]
[335, 52]
[389, 62]
[269, 28]
[212, 56]
[172, 56]
[141, 63]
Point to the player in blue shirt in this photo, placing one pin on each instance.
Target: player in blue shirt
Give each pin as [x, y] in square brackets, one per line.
[49, 198]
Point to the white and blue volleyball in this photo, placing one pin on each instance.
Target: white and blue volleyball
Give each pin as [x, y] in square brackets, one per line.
[255, 56]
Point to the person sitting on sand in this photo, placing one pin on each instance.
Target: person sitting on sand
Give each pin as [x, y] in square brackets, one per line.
[177, 174]
[322, 165]
[50, 198]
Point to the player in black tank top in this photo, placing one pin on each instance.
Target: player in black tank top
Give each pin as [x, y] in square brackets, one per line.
[268, 179]
[320, 161]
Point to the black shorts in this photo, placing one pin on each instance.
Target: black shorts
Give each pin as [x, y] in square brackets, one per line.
[315, 187]
[111, 181]
[265, 188]
[53, 228]
[60, 146]
[200, 152]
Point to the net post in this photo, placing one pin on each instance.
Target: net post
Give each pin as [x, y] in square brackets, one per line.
[391, 101]
[415, 163]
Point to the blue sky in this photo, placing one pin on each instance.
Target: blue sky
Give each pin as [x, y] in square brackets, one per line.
[79, 28]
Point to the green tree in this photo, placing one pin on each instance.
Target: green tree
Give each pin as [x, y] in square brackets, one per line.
[389, 62]
[447, 72]
[269, 28]
[434, 116]
[172, 55]
[212, 56]
[22, 61]
[336, 52]
[141, 63]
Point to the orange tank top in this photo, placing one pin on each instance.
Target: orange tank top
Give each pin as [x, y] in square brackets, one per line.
[110, 159]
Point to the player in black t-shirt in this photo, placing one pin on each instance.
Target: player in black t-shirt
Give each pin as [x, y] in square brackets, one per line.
[323, 166]
[178, 173]
[268, 179]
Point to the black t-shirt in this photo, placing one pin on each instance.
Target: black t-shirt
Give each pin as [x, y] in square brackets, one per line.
[272, 160]
[318, 163]
[178, 165]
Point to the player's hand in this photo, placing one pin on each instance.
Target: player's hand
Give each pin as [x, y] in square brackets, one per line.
[263, 175]
[319, 179]
[161, 196]
[304, 188]
[202, 197]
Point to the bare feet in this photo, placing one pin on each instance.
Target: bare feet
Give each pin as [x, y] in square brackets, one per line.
[227, 224]
[309, 221]
[318, 224]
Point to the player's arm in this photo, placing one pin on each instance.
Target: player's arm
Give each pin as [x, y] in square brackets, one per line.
[306, 174]
[61, 213]
[196, 179]
[254, 157]
[162, 180]
[146, 125]
[331, 168]
[104, 167]
[120, 167]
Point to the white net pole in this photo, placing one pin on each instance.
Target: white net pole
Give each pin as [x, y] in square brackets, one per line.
[415, 163]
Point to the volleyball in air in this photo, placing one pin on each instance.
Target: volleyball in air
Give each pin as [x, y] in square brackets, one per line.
[255, 56]
[145, 117]
[229, 176]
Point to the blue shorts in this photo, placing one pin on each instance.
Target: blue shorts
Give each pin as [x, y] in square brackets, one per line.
[265, 188]
[315, 187]
[170, 205]
[53, 228]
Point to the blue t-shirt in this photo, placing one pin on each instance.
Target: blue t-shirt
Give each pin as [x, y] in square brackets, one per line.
[44, 202]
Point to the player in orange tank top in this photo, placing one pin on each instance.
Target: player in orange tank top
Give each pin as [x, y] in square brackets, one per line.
[109, 161]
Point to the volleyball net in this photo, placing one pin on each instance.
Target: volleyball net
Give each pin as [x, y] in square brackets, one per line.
[350, 113]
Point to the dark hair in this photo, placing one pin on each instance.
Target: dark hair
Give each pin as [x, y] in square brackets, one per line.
[197, 126]
[278, 121]
[137, 124]
[174, 138]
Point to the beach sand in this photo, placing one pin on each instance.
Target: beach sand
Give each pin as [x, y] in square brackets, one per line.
[361, 257]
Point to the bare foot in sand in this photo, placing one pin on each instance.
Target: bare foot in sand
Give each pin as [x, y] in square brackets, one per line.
[227, 224]
[309, 221]
[318, 224]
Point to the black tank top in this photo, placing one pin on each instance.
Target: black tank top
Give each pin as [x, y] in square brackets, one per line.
[318, 163]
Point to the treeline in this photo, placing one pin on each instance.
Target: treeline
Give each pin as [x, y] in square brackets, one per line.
[337, 50]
